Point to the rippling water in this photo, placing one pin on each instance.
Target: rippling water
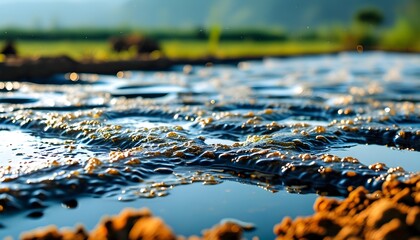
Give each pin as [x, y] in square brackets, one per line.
[319, 124]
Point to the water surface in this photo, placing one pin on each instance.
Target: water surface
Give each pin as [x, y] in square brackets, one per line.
[264, 137]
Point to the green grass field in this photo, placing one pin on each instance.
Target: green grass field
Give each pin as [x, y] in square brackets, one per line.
[75, 49]
[101, 50]
[245, 48]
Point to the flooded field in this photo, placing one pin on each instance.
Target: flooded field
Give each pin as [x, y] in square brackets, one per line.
[255, 141]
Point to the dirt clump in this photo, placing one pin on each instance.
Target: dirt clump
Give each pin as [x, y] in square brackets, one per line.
[133, 224]
[392, 213]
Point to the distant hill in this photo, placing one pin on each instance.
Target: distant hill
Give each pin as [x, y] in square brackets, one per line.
[288, 14]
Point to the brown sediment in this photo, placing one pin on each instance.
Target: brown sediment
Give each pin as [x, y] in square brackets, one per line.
[14, 69]
[133, 224]
[392, 213]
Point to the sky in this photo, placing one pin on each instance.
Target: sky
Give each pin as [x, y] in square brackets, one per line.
[292, 14]
[74, 1]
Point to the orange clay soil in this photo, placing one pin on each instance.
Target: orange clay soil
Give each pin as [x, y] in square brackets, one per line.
[133, 224]
[392, 213]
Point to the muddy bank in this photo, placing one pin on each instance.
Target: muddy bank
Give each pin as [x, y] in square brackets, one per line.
[15, 69]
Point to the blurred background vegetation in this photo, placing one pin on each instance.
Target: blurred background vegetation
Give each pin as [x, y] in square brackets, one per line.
[222, 28]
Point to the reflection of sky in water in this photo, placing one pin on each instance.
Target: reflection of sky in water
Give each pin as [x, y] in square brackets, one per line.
[370, 154]
[218, 141]
[17, 147]
[188, 209]
[139, 122]
[26, 153]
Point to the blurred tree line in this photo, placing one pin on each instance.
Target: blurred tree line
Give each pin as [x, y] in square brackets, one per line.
[159, 34]
[365, 29]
